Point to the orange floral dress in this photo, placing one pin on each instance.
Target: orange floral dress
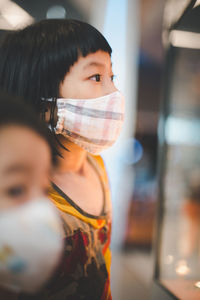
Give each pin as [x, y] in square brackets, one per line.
[84, 272]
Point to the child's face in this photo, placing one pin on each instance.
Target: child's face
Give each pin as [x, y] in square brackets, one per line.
[25, 163]
[89, 77]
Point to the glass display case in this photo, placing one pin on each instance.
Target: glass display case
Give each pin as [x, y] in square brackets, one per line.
[177, 263]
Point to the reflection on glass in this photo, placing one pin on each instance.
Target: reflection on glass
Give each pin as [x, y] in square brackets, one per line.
[180, 244]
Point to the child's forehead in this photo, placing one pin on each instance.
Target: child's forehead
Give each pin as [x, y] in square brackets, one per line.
[13, 150]
[97, 59]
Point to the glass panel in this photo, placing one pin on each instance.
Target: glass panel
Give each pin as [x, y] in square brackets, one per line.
[180, 244]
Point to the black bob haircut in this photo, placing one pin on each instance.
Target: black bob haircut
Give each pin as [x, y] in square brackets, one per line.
[35, 60]
[15, 112]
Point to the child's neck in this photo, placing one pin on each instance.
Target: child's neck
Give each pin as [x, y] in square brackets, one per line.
[73, 160]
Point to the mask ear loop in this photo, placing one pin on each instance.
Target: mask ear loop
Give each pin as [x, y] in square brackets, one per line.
[52, 125]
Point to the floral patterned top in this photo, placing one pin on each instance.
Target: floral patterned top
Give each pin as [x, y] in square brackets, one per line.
[84, 270]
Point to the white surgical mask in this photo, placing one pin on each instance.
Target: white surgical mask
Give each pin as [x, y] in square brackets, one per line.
[30, 245]
[93, 124]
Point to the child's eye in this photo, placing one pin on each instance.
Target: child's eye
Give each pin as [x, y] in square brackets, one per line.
[16, 191]
[96, 77]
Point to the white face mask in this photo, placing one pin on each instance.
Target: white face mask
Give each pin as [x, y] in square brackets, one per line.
[30, 245]
[93, 124]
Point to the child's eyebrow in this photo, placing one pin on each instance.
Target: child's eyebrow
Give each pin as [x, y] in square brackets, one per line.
[20, 168]
[16, 169]
[95, 64]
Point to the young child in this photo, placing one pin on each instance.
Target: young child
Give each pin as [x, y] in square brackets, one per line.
[30, 228]
[64, 68]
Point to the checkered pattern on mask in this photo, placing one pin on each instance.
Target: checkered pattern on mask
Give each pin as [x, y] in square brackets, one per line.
[93, 124]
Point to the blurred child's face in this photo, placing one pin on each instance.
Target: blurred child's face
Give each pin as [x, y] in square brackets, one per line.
[89, 77]
[25, 162]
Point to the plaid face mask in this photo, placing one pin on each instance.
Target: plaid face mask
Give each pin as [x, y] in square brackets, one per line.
[93, 124]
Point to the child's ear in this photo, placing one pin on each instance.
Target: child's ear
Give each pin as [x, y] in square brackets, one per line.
[55, 114]
[44, 111]
[49, 112]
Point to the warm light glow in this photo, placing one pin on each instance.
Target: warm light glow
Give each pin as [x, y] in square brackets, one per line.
[14, 15]
[184, 39]
[197, 284]
[182, 268]
[197, 3]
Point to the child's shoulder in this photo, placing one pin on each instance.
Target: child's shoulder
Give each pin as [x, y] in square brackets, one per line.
[99, 162]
